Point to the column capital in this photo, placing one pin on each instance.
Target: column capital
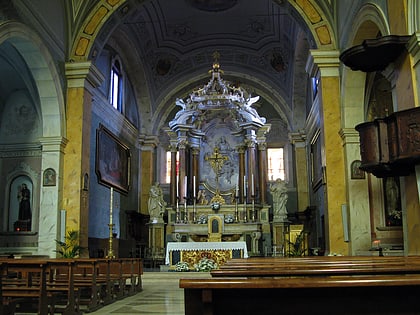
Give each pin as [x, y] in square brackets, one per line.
[326, 61]
[349, 135]
[298, 139]
[148, 142]
[78, 73]
[413, 47]
[53, 144]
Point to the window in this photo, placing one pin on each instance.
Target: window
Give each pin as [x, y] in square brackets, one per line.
[115, 95]
[168, 166]
[275, 163]
[315, 86]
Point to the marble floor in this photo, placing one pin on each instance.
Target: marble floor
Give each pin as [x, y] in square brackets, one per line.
[161, 295]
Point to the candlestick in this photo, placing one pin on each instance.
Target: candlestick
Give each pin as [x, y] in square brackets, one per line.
[244, 185]
[185, 186]
[110, 206]
[177, 186]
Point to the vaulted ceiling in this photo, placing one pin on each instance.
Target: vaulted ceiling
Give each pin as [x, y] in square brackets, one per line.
[263, 47]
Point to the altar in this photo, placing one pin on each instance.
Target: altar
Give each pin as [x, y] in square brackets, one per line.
[192, 252]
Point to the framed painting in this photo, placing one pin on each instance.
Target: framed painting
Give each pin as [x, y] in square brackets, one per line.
[113, 160]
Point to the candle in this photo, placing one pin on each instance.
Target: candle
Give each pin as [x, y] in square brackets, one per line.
[110, 206]
[252, 185]
[237, 191]
[194, 186]
[244, 185]
[185, 186]
[177, 186]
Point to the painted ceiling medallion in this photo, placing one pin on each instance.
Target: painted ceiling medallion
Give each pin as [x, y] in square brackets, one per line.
[212, 5]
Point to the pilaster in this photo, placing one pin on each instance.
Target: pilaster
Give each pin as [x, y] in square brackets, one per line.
[327, 62]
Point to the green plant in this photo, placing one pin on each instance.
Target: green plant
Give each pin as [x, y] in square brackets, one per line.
[297, 248]
[70, 248]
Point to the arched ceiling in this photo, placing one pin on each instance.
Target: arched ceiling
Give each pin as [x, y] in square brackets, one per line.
[175, 42]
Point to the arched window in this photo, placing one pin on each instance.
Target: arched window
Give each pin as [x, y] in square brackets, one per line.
[275, 164]
[116, 86]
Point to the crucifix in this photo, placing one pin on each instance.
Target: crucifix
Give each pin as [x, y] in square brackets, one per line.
[216, 161]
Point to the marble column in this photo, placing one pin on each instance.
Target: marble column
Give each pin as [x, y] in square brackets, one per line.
[241, 152]
[262, 162]
[82, 77]
[328, 63]
[298, 141]
[147, 166]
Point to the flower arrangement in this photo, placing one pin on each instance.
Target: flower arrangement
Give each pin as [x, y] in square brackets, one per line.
[182, 266]
[394, 218]
[205, 264]
[229, 218]
[202, 219]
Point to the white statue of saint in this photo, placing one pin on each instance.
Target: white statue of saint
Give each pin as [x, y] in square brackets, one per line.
[278, 191]
[156, 203]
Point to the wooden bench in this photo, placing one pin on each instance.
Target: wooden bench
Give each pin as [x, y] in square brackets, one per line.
[381, 294]
[272, 267]
[68, 286]
[320, 285]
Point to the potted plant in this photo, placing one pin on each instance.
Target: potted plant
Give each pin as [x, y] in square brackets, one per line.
[70, 248]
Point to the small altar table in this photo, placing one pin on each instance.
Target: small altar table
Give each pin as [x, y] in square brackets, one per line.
[192, 252]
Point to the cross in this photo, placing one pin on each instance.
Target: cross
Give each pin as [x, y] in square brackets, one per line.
[216, 160]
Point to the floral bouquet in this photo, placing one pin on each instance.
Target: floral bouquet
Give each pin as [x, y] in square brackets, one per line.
[202, 219]
[182, 266]
[229, 218]
[205, 264]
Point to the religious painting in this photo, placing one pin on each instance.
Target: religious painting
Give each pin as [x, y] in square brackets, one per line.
[316, 161]
[356, 172]
[113, 160]
[219, 145]
[49, 177]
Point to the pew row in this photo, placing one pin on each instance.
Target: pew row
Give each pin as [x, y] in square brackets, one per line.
[380, 294]
[67, 286]
[272, 267]
[310, 285]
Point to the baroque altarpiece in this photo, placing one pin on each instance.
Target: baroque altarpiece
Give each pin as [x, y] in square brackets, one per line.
[221, 169]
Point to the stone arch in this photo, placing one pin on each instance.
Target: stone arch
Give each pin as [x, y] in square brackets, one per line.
[413, 7]
[45, 75]
[49, 145]
[312, 14]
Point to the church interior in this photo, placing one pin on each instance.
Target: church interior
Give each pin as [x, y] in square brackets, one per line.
[160, 130]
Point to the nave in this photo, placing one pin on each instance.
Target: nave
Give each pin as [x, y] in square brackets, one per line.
[161, 295]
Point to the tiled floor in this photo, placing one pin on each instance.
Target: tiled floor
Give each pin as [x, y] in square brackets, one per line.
[161, 295]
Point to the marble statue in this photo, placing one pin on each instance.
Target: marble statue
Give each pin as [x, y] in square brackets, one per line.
[278, 191]
[156, 204]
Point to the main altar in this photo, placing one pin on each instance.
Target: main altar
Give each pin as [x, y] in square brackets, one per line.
[218, 168]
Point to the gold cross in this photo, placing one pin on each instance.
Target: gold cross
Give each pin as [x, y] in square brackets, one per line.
[216, 160]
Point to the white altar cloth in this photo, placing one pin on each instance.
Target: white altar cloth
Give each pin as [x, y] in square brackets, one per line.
[188, 246]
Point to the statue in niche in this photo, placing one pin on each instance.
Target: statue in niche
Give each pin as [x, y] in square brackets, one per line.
[278, 191]
[156, 204]
[25, 213]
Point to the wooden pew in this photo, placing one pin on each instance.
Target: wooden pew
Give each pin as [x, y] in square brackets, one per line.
[69, 286]
[24, 283]
[380, 294]
[347, 285]
[321, 266]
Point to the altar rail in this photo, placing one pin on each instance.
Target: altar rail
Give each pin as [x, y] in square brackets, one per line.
[67, 286]
[319, 285]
